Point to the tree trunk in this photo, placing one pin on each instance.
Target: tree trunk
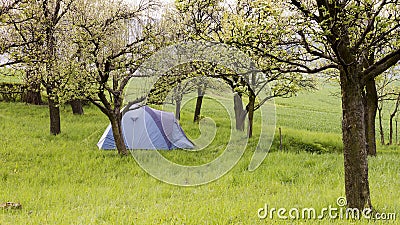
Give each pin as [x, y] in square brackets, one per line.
[396, 134]
[55, 127]
[199, 102]
[178, 95]
[381, 132]
[250, 105]
[250, 110]
[371, 106]
[76, 106]
[33, 95]
[354, 141]
[116, 127]
[391, 129]
[391, 120]
[178, 102]
[50, 83]
[240, 113]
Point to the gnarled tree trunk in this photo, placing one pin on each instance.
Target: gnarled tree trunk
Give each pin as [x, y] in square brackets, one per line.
[354, 140]
[116, 127]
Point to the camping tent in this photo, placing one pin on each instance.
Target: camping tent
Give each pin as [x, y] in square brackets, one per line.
[148, 128]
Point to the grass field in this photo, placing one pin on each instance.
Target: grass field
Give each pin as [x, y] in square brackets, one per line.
[67, 180]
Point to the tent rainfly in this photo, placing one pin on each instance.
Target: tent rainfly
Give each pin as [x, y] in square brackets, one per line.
[148, 128]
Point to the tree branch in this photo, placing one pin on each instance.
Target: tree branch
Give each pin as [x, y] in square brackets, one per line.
[381, 66]
[369, 27]
[305, 11]
[314, 52]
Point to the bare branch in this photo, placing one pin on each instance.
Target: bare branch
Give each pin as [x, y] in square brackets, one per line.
[381, 66]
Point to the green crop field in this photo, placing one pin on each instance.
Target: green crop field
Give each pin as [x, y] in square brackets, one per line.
[67, 180]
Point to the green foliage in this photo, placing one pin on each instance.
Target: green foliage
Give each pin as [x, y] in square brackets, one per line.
[12, 91]
[253, 28]
[197, 20]
[184, 79]
[111, 45]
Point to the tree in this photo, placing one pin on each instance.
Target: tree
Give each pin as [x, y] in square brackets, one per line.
[33, 95]
[14, 40]
[179, 91]
[243, 24]
[115, 42]
[360, 40]
[5, 43]
[392, 115]
[183, 79]
[52, 13]
[39, 30]
[201, 84]
[386, 91]
[7, 6]
[197, 83]
[357, 39]
[11, 17]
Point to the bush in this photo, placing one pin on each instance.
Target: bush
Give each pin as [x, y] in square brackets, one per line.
[12, 92]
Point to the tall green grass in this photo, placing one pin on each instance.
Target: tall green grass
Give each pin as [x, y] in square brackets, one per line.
[67, 180]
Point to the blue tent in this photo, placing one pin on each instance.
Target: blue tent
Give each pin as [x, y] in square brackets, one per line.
[148, 128]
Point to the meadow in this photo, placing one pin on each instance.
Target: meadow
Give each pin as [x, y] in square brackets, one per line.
[67, 180]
